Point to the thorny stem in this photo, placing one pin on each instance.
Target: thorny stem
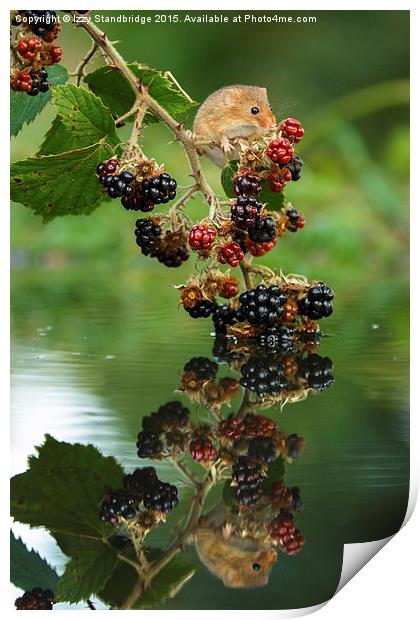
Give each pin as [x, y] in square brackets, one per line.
[80, 69]
[143, 97]
[141, 111]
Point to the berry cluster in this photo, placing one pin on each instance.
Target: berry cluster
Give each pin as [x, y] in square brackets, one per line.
[116, 185]
[203, 451]
[31, 83]
[262, 449]
[151, 192]
[317, 372]
[295, 167]
[201, 310]
[202, 368]
[280, 151]
[37, 598]
[246, 211]
[232, 254]
[148, 234]
[140, 480]
[317, 302]
[224, 315]
[232, 428]
[157, 496]
[262, 305]
[247, 478]
[28, 47]
[41, 23]
[283, 532]
[263, 376]
[158, 428]
[247, 184]
[116, 506]
[292, 130]
[295, 220]
[202, 237]
[259, 425]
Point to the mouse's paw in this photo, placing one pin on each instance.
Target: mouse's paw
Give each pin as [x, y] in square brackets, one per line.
[227, 146]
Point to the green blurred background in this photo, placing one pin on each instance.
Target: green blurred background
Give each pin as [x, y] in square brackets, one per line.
[99, 340]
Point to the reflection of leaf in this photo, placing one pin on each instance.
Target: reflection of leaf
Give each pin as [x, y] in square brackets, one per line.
[227, 175]
[90, 567]
[276, 471]
[24, 108]
[117, 95]
[164, 586]
[28, 570]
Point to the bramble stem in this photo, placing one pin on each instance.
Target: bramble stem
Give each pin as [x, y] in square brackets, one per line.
[79, 70]
[245, 266]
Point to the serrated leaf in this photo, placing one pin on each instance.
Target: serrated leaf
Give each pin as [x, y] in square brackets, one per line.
[117, 95]
[24, 108]
[83, 115]
[28, 570]
[91, 565]
[63, 488]
[61, 184]
[228, 172]
[58, 140]
[163, 587]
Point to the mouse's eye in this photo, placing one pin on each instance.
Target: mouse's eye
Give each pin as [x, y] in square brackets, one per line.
[256, 567]
[255, 110]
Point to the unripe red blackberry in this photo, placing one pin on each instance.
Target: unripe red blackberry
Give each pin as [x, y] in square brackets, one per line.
[246, 211]
[280, 151]
[229, 288]
[292, 130]
[55, 53]
[247, 184]
[28, 47]
[263, 231]
[260, 249]
[231, 254]
[259, 425]
[202, 237]
[117, 505]
[295, 167]
[37, 599]
[232, 428]
[203, 451]
[283, 532]
[21, 81]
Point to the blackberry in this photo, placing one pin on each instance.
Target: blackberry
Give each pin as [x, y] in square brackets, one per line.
[280, 151]
[246, 211]
[276, 338]
[260, 249]
[248, 496]
[148, 235]
[295, 220]
[259, 425]
[39, 82]
[283, 532]
[292, 130]
[232, 428]
[262, 449]
[37, 598]
[202, 237]
[149, 445]
[171, 415]
[41, 22]
[294, 446]
[246, 472]
[289, 498]
[229, 287]
[151, 192]
[140, 480]
[161, 497]
[317, 371]
[264, 230]
[116, 505]
[247, 184]
[295, 167]
[201, 310]
[263, 376]
[172, 251]
[240, 238]
[116, 185]
[28, 47]
[224, 315]
[202, 450]
[317, 303]
[203, 368]
[231, 253]
[262, 305]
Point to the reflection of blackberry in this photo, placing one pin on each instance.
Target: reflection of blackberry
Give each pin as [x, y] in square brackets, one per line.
[147, 235]
[295, 167]
[263, 376]
[262, 305]
[246, 211]
[262, 449]
[37, 598]
[246, 471]
[201, 310]
[264, 230]
[203, 368]
[140, 480]
[162, 497]
[148, 445]
[225, 315]
[247, 184]
[317, 371]
[276, 338]
[170, 415]
[117, 504]
[317, 302]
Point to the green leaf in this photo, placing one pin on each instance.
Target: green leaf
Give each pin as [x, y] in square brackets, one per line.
[24, 108]
[63, 488]
[28, 570]
[227, 495]
[164, 586]
[58, 140]
[274, 201]
[89, 569]
[117, 95]
[276, 471]
[62, 184]
[228, 172]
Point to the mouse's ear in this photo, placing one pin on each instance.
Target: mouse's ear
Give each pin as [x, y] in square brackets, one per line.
[229, 97]
[264, 91]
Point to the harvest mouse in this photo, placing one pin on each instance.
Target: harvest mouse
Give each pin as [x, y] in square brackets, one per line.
[231, 112]
[238, 562]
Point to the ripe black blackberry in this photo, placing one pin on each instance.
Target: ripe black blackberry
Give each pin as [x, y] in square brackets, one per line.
[173, 250]
[148, 444]
[263, 231]
[246, 211]
[294, 446]
[275, 339]
[295, 167]
[202, 367]
[262, 449]
[247, 184]
[224, 315]
[160, 189]
[317, 303]
[317, 371]
[39, 82]
[201, 310]
[263, 376]
[161, 497]
[116, 505]
[140, 480]
[169, 416]
[246, 471]
[240, 237]
[37, 598]
[262, 305]
[40, 22]
[148, 235]
[295, 220]
[248, 495]
[116, 185]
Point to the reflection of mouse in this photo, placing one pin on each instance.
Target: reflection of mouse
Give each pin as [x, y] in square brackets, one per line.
[238, 562]
[231, 112]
